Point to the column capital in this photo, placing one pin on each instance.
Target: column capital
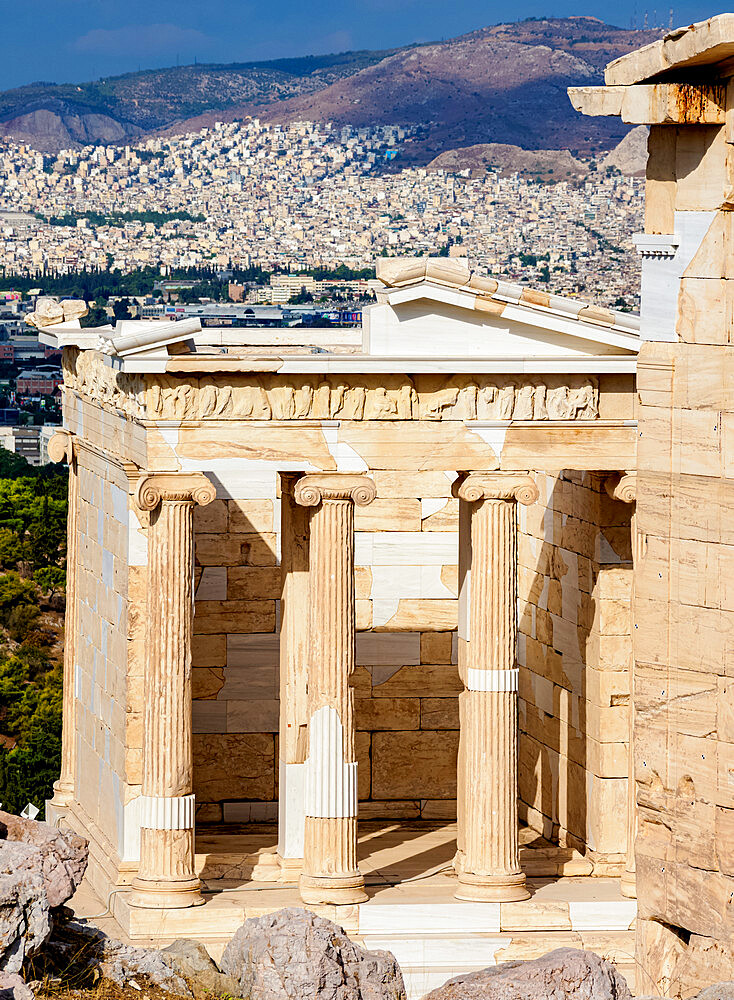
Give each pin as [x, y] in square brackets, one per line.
[313, 488]
[519, 486]
[61, 447]
[622, 486]
[154, 487]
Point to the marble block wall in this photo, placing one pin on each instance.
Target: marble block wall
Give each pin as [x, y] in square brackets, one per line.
[574, 652]
[101, 683]
[406, 682]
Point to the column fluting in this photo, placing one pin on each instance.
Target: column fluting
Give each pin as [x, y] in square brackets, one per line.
[330, 870]
[166, 876]
[488, 862]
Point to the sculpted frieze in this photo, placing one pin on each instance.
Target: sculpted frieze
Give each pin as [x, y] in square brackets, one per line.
[332, 397]
[86, 374]
[388, 397]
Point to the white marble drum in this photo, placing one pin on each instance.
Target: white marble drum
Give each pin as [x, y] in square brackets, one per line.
[328, 578]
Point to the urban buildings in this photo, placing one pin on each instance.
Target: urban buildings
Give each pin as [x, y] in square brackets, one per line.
[307, 195]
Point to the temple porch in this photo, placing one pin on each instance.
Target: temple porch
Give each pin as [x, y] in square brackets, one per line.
[411, 907]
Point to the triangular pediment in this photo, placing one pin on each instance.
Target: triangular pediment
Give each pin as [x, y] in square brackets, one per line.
[447, 312]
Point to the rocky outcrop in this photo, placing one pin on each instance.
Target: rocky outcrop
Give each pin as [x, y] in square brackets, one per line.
[58, 856]
[193, 963]
[294, 955]
[563, 974]
[25, 923]
[12, 987]
[183, 969]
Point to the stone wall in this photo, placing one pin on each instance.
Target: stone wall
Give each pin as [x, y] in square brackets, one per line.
[684, 602]
[102, 686]
[406, 681]
[574, 652]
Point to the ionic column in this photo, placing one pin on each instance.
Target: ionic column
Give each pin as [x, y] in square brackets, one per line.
[60, 449]
[294, 633]
[624, 487]
[166, 876]
[330, 871]
[489, 863]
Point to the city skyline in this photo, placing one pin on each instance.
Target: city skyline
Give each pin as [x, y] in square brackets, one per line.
[75, 41]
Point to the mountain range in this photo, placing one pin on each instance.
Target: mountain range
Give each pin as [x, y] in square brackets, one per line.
[502, 84]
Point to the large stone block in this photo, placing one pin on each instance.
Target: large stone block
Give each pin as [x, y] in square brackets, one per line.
[414, 765]
[240, 766]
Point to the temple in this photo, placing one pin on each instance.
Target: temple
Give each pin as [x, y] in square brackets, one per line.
[368, 588]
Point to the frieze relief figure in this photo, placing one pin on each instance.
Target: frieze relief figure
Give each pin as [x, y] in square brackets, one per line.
[119, 391]
[389, 397]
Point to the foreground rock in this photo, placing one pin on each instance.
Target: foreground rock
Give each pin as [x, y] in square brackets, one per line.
[564, 974]
[58, 856]
[12, 987]
[25, 922]
[294, 955]
[184, 969]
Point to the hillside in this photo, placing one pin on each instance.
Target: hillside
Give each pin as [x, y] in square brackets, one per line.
[502, 84]
[54, 116]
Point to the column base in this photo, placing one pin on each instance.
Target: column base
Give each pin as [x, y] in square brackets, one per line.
[492, 888]
[160, 894]
[337, 889]
[267, 869]
[291, 869]
[63, 794]
[628, 884]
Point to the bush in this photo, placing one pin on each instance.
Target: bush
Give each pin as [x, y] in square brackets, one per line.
[30, 714]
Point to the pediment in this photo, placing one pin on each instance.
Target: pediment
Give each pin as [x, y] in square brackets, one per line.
[430, 317]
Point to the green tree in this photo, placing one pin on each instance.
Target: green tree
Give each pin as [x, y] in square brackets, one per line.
[51, 579]
[14, 593]
[10, 548]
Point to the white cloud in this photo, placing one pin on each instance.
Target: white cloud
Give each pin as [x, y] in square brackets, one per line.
[143, 40]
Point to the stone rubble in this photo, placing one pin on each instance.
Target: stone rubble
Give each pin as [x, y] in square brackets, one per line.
[58, 856]
[295, 955]
[25, 922]
[12, 987]
[563, 974]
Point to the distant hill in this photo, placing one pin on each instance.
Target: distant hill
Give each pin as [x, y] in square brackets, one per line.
[54, 116]
[502, 84]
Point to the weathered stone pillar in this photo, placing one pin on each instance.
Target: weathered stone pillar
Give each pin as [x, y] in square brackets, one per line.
[61, 448]
[330, 871]
[166, 876]
[488, 865]
[624, 487]
[294, 635]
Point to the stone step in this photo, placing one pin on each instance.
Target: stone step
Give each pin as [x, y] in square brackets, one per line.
[434, 942]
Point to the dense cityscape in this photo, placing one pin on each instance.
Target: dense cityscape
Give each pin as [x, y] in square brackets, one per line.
[308, 195]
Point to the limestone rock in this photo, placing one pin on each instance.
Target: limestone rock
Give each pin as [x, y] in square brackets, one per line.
[192, 962]
[58, 856]
[294, 955]
[183, 969]
[25, 923]
[721, 991]
[120, 963]
[563, 974]
[12, 987]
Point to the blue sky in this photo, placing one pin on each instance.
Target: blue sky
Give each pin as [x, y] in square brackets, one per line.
[76, 40]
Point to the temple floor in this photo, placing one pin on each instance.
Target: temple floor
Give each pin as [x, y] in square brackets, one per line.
[411, 909]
